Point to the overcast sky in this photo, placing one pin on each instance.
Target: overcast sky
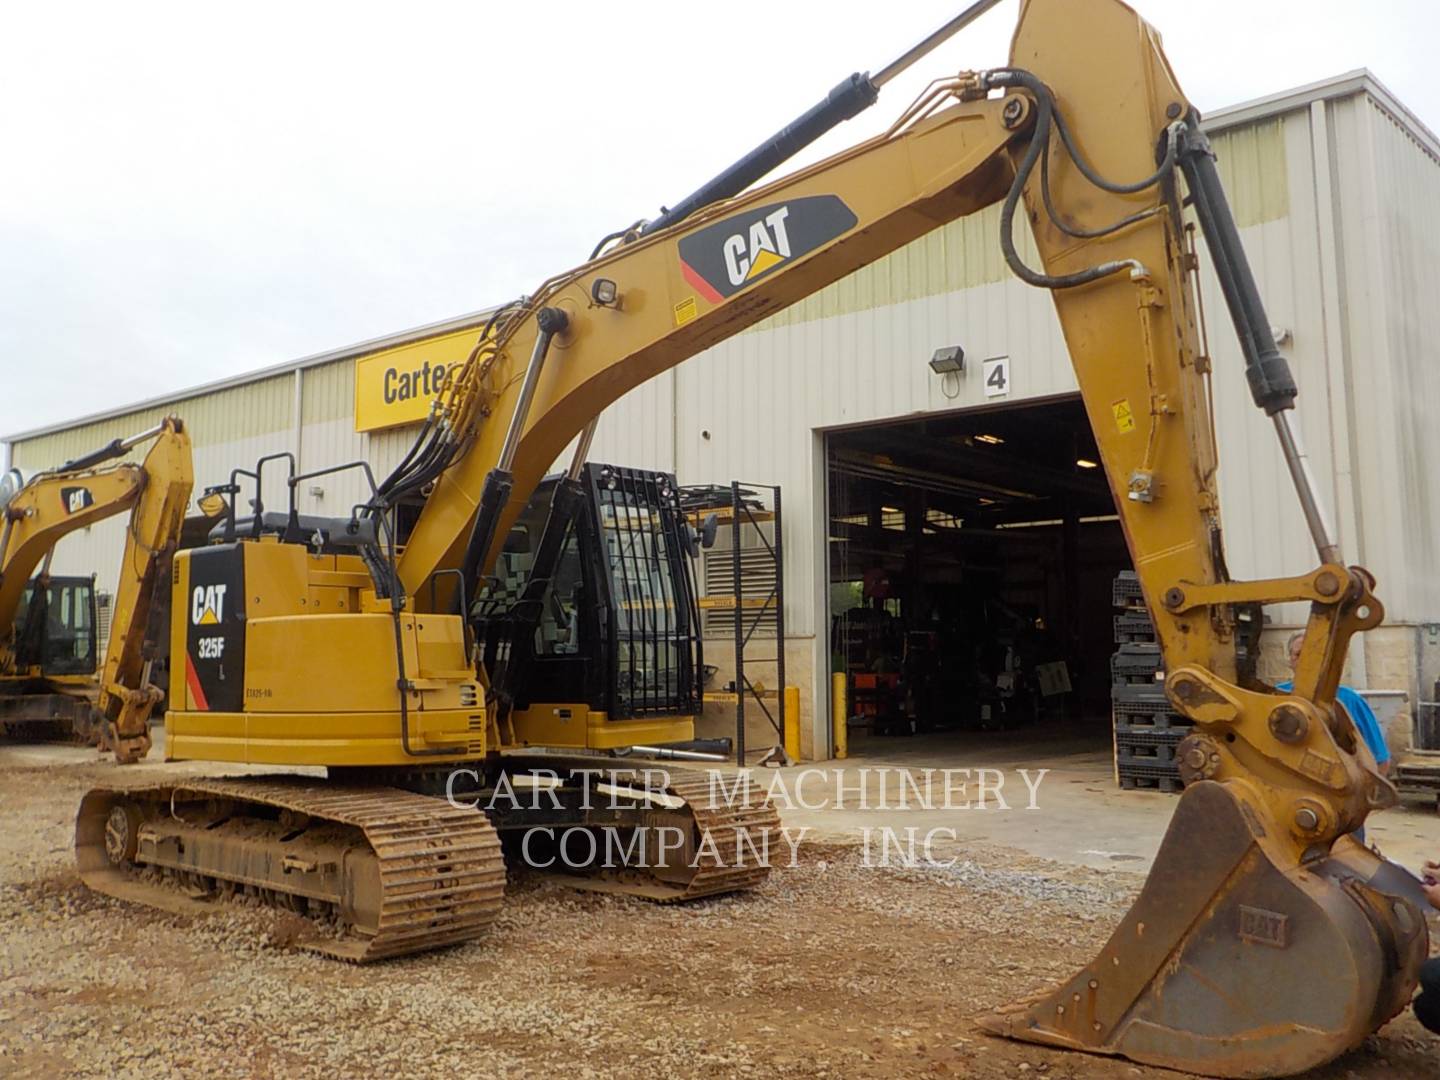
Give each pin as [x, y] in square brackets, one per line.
[192, 191]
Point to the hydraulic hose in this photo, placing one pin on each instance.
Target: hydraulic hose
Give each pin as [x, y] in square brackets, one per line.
[1039, 139]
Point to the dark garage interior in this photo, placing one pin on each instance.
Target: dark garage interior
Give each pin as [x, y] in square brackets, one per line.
[972, 557]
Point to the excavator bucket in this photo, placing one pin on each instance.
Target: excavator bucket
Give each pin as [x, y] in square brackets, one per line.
[1233, 964]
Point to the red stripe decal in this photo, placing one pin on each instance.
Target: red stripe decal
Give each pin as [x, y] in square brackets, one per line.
[192, 680]
[703, 287]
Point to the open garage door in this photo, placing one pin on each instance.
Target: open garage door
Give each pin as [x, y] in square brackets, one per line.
[972, 557]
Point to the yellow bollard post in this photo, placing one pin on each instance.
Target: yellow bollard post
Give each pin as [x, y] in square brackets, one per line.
[840, 714]
[792, 722]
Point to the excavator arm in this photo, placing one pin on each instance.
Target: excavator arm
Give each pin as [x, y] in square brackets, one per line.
[77, 494]
[1265, 940]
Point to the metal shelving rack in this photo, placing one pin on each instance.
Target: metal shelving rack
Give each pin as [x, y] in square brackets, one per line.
[739, 508]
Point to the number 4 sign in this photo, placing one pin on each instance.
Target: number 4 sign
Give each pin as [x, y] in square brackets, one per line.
[997, 376]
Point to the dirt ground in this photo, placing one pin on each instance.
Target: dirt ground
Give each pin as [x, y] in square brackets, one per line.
[828, 970]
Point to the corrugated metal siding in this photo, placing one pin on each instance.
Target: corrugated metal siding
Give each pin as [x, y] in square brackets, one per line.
[638, 430]
[1391, 203]
[1371, 397]
[329, 393]
[240, 412]
[329, 438]
[1254, 165]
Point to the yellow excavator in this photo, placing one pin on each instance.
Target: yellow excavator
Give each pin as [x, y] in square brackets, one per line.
[423, 647]
[48, 674]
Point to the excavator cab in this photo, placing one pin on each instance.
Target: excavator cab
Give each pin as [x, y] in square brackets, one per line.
[49, 692]
[592, 612]
[55, 626]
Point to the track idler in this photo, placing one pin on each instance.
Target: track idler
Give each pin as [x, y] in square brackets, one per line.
[1231, 964]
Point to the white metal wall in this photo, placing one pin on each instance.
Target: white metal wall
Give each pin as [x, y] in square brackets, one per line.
[1388, 188]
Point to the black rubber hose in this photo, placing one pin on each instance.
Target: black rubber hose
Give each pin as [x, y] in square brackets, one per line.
[1038, 141]
[437, 451]
[420, 439]
[1100, 181]
[1079, 233]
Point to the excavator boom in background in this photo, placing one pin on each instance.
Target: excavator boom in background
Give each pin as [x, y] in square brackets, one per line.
[386, 647]
[48, 670]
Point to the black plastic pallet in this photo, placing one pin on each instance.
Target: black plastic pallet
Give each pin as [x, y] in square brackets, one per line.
[1133, 664]
[1142, 693]
[1150, 734]
[1134, 626]
[1152, 712]
[1126, 590]
[1146, 754]
[1171, 785]
[1148, 768]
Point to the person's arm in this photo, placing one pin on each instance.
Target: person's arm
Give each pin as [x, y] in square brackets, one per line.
[1367, 725]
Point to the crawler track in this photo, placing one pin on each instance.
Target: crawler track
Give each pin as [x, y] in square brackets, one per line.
[736, 828]
[381, 872]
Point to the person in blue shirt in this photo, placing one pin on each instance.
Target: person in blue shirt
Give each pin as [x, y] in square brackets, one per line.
[1356, 707]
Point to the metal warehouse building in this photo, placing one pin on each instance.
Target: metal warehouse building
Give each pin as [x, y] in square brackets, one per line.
[882, 460]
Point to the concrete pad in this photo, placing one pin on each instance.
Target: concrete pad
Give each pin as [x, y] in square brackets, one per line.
[1079, 815]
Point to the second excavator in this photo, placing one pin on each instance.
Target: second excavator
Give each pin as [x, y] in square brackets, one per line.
[50, 680]
[1265, 940]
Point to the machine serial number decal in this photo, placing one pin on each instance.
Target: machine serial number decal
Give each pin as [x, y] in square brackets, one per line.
[721, 259]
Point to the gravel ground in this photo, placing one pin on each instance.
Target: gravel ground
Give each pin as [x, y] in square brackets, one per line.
[829, 970]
